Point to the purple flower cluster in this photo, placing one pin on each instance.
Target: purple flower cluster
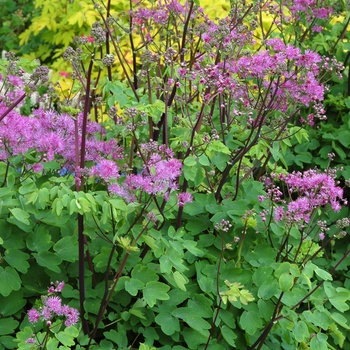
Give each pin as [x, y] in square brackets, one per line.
[105, 169]
[284, 71]
[55, 287]
[158, 175]
[183, 198]
[223, 225]
[313, 190]
[313, 11]
[52, 135]
[159, 15]
[315, 7]
[52, 308]
[15, 83]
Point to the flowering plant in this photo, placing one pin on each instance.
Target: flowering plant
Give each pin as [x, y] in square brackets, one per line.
[51, 310]
[158, 186]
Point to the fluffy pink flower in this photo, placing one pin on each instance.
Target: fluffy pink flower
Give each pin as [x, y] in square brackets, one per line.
[54, 304]
[279, 213]
[313, 190]
[33, 315]
[106, 170]
[72, 315]
[15, 80]
[183, 198]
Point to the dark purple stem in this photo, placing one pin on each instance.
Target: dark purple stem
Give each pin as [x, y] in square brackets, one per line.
[81, 237]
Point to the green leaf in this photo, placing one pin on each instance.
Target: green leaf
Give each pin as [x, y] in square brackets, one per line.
[101, 259]
[146, 347]
[344, 138]
[65, 338]
[339, 151]
[118, 337]
[190, 161]
[12, 303]
[301, 332]
[43, 197]
[320, 318]
[138, 313]
[20, 215]
[326, 276]
[27, 187]
[261, 274]
[195, 322]
[250, 321]
[92, 305]
[340, 319]
[193, 338]
[199, 176]
[286, 282]
[347, 99]
[339, 301]
[337, 296]
[154, 291]
[144, 274]
[218, 146]
[268, 288]
[48, 260]
[172, 258]
[39, 240]
[118, 204]
[168, 323]
[24, 334]
[319, 342]
[180, 280]
[8, 325]
[281, 268]
[191, 246]
[72, 331]
[133, 285]
[52, 344]
[10, 280]
[229, 335]
[67, 248]
[203, 160]
[266, 309]
[17, 259]
[220, 160]
[198, 308]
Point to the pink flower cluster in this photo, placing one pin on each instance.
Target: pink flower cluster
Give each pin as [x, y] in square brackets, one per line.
[311, 11]
[52, 307]
[287, 72]
[304, 6]
[183, 198]
[157, 177]
[287, 75]
[105, 169]
[52, 136]
[223, 225]
[159, 15]
[313, 190]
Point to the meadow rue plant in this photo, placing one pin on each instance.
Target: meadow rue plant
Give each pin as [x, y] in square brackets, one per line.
[157, 185]
[314, 190]
[50, 310]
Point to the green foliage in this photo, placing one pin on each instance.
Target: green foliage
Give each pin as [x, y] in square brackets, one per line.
[15, 18]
